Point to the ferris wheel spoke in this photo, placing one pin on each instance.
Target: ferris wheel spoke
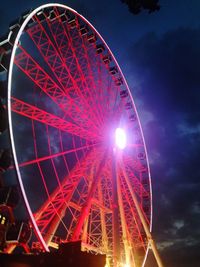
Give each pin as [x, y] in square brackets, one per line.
[46, 213]
[90, 57]
[42, 116]
[71, 62]
[104, 237]
[34, 71]
[59, 68]
[56, 155]
[112, 99]
[113, 105]
[98, 228]
[73, 177]
[100, 209]
[135, 231]
[130, 197]
[79, 199]
[97, 74]
[42, 176]
[127, 242]
[101, 85]
[117, 105]
[78, 40]
[90, 195]
[108, 73]
[131, 167]
[86, 51]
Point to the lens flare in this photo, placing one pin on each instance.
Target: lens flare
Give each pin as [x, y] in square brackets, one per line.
[120, 138]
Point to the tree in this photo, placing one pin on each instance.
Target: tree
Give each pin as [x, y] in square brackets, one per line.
[136, 6]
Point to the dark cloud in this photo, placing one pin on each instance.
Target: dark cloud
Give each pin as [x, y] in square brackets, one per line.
[170, 65]
[167, 68]
[183, 256]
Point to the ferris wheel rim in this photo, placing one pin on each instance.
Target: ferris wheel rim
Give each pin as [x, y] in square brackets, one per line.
[10, 116]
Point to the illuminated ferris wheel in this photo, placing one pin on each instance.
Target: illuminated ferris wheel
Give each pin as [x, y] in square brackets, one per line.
[76, 138]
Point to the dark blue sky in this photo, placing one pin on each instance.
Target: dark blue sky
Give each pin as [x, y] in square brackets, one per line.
[160, 57]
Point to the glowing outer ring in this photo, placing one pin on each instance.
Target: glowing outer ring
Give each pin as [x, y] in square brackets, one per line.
[10, 117]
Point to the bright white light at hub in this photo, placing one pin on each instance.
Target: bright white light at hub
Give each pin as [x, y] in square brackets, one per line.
[120, 138]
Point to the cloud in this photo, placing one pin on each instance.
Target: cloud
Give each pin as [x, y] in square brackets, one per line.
[167, 71]
[196, 208]
[179, 224]
[185, 129]
[170, 65]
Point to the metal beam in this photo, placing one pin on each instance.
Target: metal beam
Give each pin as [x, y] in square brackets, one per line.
[42, 116]
[142, 218]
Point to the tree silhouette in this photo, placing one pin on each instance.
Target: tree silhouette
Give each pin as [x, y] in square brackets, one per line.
[136, 6]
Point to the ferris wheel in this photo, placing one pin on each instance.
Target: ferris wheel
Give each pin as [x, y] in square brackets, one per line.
[76, 138]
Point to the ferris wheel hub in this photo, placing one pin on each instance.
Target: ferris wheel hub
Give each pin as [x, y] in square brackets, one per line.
[120, 138]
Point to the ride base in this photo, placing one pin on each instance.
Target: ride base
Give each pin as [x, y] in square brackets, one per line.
[68, 255]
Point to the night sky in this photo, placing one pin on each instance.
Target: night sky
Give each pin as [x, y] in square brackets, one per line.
[159, 54]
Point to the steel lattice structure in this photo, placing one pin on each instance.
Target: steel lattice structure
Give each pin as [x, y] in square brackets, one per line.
[66, 96]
